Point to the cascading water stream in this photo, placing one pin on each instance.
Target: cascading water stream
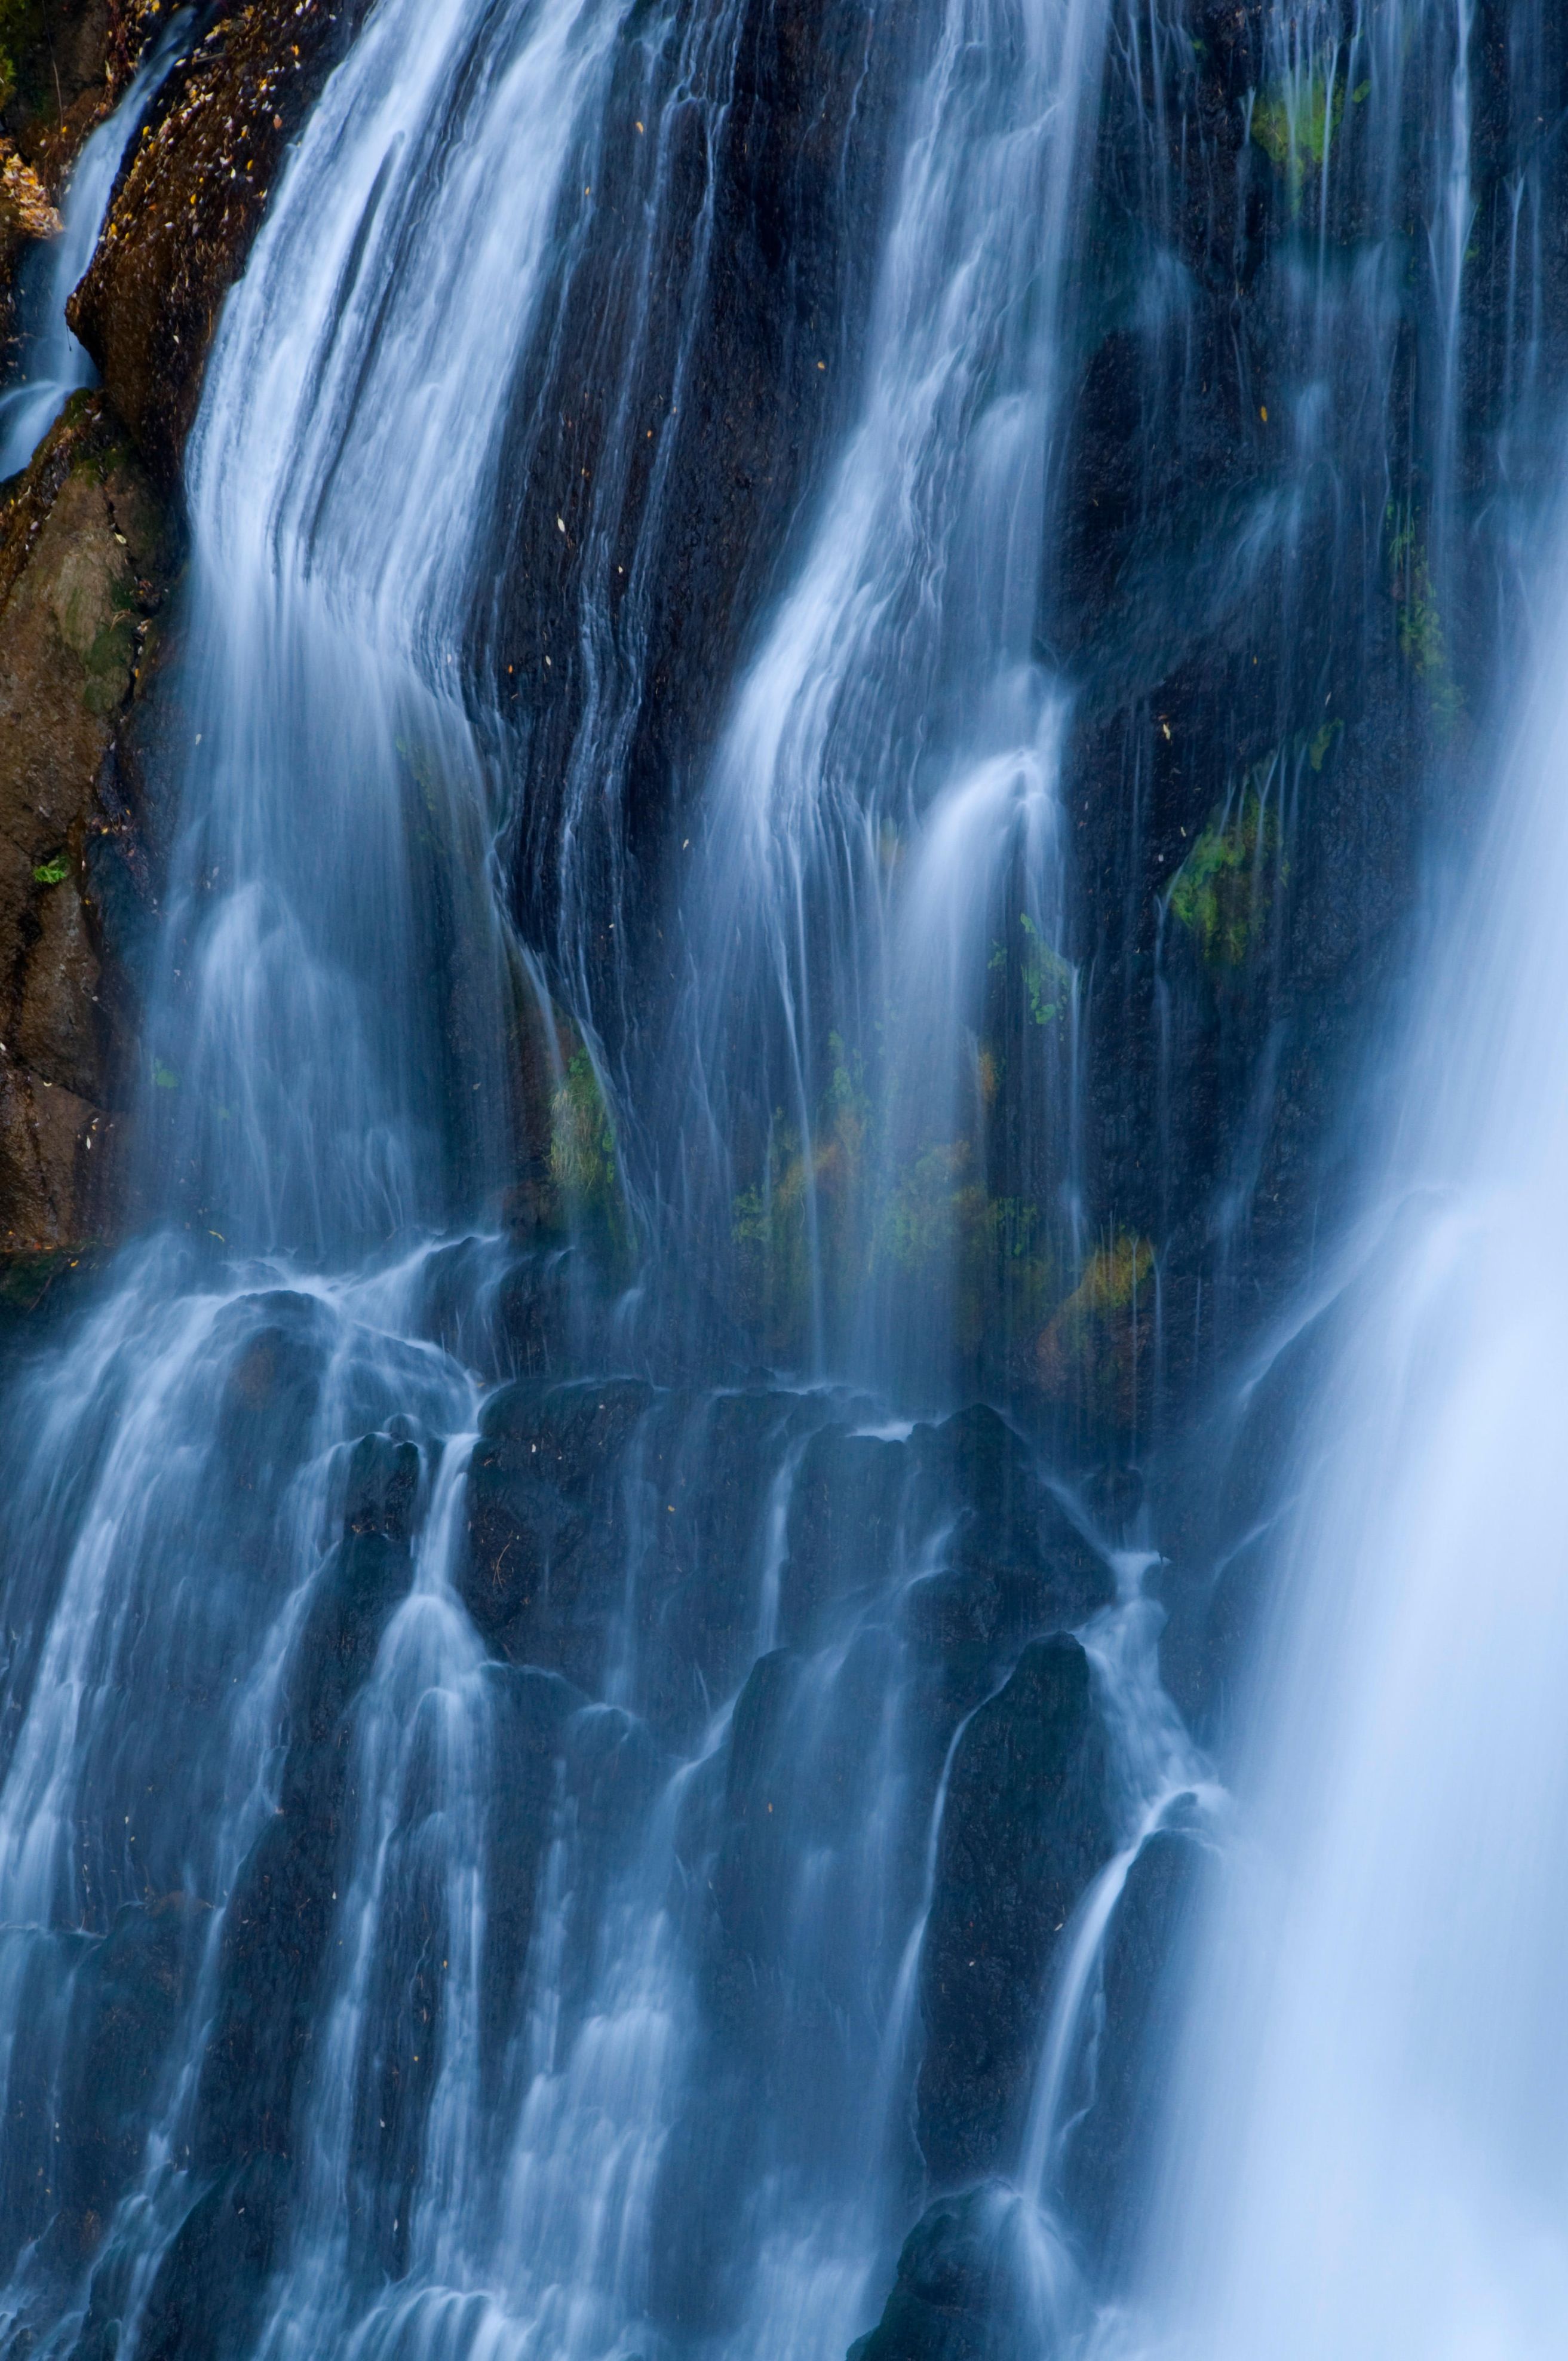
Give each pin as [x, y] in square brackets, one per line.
[305, 1096]
[1365, 2151]
[884, 791]
[53, 363]
[612, 1854]
[459, 2146]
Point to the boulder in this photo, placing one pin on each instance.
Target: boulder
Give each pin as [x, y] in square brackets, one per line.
[945, 2293]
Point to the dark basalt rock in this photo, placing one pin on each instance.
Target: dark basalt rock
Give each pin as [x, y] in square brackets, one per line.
[126, 2003]
[951, 2272]
[736, 379]
[272, 1350]
[595, 1510]
[545, 1567]
[274, 1942]
[1009, 1562]
[381, 1487]
[206, 2296]
[530, 1712]
[1025, 1827]
[846, 1518]
[276, 1925]
[1008, 1520]
[750, 1880]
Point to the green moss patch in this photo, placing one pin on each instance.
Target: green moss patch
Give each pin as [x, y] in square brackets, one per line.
[1294, 121]
[581, 1139]
[1222, 894]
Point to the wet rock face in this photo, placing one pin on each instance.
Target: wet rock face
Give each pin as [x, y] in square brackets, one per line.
[943, 2305]
[277, 1925]
[546, 1535]
[1135, 2051]
[83, 558]
[616, 1521]
[759, 206]
[619, 1518]
[1210, 651]
[1003, 1563]
[1026, 1827]
[125, 2004]
[100, 2011]
[189, 203]
[62, 64]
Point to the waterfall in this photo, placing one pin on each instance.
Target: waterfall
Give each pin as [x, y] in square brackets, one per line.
[884, 818]
[476, 1934]
[1367, 2149]
[600, 1598]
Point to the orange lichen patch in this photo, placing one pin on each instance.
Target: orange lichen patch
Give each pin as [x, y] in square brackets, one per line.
[24, 200]
[1092, 1352]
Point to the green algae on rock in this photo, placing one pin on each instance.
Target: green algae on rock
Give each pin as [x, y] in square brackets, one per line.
[1222, 890]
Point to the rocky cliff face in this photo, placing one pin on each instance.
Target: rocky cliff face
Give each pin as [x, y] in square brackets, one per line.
[91, 550]
[84, 563]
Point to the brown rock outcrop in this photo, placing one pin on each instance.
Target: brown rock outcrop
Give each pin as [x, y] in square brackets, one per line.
[83, 563]
[189, 204]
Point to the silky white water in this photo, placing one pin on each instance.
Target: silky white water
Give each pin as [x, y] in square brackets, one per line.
[882, 815]
[1367, 2152]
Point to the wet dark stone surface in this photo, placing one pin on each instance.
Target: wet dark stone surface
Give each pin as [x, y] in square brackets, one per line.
[530, 1712]
[759, 206]
[381, 1483]
[545, 1514]
[206, 2296]
[1110, 2155]
[1025, 1827]
[125, 2007]
[944, 2301]
[1008, 1561]
[847, 1516]
[613, 1515]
